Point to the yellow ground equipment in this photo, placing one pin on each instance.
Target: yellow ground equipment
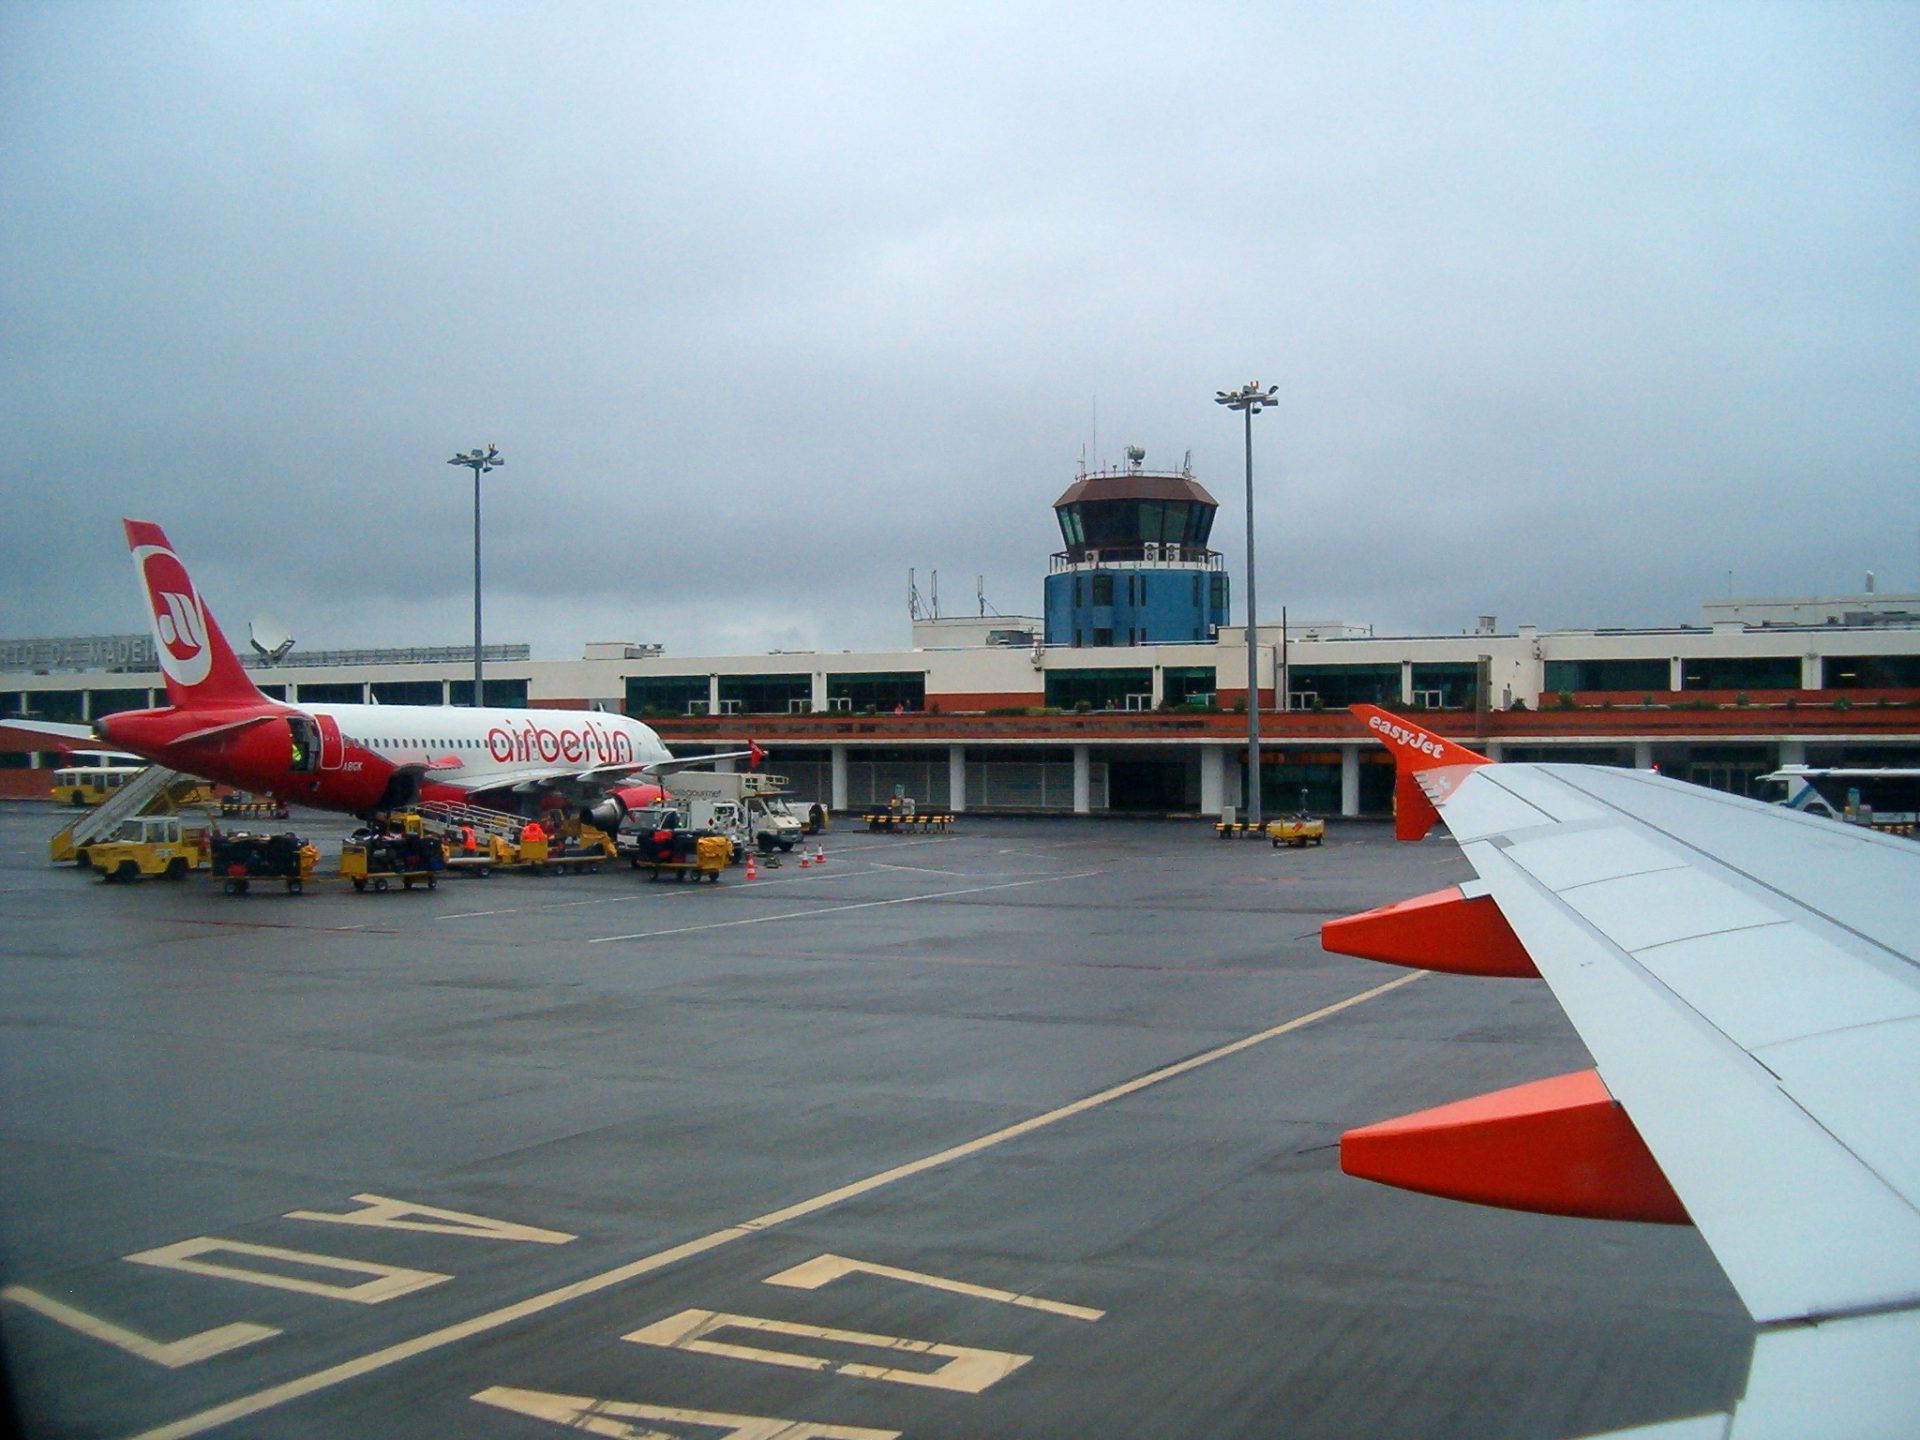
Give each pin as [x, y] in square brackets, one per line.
[405, 853]
[156, 790]
[704, 857]
[577, 847]
[159, 845]
[241, 806]
[899, 816]
[240, 859]
[1297, 831]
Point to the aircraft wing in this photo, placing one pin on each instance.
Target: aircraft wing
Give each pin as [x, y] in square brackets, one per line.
[1745, 979]
[64, 736]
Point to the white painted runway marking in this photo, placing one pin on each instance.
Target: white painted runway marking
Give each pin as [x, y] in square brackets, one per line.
[839, 909]
[278, 1395]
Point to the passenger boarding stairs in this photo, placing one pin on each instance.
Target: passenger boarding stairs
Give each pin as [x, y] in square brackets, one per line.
[154, 789]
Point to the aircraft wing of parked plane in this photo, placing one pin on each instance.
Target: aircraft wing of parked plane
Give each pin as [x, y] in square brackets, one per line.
[1745, 980]
[351, 757]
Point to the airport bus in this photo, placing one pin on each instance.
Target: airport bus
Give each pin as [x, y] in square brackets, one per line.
[1886, 799]
[93, 775]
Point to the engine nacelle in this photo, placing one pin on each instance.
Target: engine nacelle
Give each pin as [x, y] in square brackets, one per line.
[608, 813]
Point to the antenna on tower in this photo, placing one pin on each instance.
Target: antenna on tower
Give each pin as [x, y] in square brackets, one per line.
[936, 594]
[914, 611]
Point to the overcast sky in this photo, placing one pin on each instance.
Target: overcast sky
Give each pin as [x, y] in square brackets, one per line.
[1574, 309]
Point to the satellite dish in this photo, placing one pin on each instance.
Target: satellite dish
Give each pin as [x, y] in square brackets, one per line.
[270, 638]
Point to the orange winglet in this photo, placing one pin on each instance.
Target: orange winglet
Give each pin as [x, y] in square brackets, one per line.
[1442, 931]
[1416, 751]
[1562, 1146]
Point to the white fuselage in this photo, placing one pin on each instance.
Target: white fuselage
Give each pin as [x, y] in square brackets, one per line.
[492, 745]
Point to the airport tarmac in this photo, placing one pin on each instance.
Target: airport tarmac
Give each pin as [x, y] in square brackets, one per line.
[1026, 1130]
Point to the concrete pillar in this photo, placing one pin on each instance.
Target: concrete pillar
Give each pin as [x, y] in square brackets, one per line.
[1349, 780]
[713, 694]
[1159, 687]
[1406, 682]
[1643, 754]
[1492, 749]
[1676, 672]
[1793, 752]
[1083, 779]
[723, 766]
[957, 778]
[1809, 672]
[1212, 779]
[838, 760]
[819, 696]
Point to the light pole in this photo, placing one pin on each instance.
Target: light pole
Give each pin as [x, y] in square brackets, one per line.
[1250, 400]
[478, 461]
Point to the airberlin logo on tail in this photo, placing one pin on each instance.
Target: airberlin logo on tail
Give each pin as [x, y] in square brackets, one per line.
[179, 619]
[1412, 739]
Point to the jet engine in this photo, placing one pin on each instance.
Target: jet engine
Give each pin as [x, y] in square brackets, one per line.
[607, 813]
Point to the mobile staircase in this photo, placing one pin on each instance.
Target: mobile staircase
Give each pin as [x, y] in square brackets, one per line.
[156, 790]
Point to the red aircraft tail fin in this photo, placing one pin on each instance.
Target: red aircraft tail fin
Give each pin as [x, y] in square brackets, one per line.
[1416, 751]
[201, 669]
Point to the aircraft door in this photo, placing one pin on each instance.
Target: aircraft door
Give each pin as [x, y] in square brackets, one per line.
[333, 749]
[305, 742]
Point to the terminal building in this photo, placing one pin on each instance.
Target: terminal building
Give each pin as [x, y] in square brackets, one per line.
[1128, 693]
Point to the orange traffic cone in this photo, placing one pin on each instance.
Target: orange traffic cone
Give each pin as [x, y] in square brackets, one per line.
[819, 853]
[752, 874]
[804, 862]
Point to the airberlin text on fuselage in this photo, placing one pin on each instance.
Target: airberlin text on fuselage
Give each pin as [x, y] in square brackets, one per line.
[1413, 739]
[571, 745]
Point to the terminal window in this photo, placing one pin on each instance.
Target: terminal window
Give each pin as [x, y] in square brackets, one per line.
[1644, 676]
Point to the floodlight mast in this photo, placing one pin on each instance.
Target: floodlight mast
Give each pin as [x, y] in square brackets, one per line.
[478, 461]
[1250, 400]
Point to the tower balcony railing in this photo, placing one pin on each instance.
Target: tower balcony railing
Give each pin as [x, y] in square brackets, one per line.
[1150, 554]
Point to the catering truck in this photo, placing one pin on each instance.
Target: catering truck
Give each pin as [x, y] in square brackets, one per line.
[747, 806]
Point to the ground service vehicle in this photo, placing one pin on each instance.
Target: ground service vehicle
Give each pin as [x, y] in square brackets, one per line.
[1881, 799]
[680, 853]
[583, 847]
[241, 858]
[377, 858]
[1297, 831]
[149, 845]
[759, 815]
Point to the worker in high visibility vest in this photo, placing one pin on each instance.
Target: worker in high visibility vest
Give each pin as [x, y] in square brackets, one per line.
[532, 834]
[469, 842]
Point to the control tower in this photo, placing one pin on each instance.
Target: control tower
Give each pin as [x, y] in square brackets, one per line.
[1136, 570]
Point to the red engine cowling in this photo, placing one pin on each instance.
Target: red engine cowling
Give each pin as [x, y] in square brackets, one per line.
[608, 813]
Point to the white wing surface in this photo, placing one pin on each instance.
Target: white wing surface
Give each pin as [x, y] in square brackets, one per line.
[1745, 979]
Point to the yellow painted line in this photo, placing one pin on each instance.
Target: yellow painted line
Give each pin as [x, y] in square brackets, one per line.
[188, 1350]
[840, 909]
[302, 1386]
[968, 1369]
[825, 1269]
